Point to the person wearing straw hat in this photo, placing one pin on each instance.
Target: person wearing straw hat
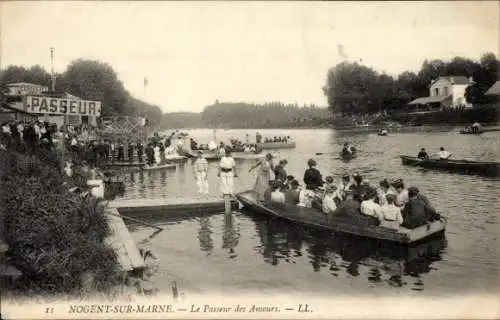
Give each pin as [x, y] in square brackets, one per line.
[201, 173]
[264, 175]
[227, 173]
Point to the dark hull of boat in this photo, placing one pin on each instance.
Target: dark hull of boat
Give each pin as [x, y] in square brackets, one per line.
[124, 164]
[277, 145]
[348, 156]
[176, 158]
[160, 167]
[315, 218]
[470, 132]
[460, 166]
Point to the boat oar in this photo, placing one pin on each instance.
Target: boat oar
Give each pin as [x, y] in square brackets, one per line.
[322, 153]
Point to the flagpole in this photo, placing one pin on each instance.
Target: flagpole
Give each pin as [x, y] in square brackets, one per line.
[145, 82]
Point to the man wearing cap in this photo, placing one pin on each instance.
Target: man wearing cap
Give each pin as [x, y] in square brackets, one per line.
[227, 172]
[201, 173]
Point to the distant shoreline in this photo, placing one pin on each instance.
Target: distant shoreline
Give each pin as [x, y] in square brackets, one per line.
[423, 128]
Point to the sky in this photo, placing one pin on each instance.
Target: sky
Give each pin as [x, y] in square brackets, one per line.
[193, 53]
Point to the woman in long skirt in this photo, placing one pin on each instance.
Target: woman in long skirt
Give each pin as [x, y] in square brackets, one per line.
[264, 175]
[157, 155]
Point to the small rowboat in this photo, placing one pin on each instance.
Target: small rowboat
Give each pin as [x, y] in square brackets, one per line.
[214, 156]
[159, 167]
[460, 166]
[348, 156]
[382, 133]
[469, 131]
[277, 145]
[175, 158]
[315, 218]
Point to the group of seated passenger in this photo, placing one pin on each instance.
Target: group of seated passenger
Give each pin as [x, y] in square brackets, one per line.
[277, 139]
[233, 146]
[442, 154]
[391, 205]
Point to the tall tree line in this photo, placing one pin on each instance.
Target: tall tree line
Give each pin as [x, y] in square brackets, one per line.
[89, 80]
[352, 88]
[267, 115]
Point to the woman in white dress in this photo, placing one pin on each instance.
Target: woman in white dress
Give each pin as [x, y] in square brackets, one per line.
[157, 155]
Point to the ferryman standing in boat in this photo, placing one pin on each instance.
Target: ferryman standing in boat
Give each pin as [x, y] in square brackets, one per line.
[258, 138]
[264, 175]
[227, 173]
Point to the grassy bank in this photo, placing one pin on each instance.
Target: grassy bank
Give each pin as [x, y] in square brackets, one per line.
[55, 237]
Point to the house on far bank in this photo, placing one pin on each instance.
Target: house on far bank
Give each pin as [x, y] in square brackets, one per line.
[494, 90]
[444, 92]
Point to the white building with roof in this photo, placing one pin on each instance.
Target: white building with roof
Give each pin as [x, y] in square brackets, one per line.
[446, 92]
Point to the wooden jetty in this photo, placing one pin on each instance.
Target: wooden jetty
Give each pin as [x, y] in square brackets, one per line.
[171, 206]
[121, 241]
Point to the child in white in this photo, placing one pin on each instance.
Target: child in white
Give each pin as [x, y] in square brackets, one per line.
[392, 213]
[277, 196]
[328, 204]
[305, 198]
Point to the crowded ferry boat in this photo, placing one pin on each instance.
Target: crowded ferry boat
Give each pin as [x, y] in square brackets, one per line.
[392, 204]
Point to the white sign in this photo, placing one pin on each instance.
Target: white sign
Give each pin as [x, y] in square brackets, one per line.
[48, 105]
[25, 89]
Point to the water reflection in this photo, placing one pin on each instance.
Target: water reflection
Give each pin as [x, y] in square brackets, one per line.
[230, 235]
[389, 263]
[205, 235]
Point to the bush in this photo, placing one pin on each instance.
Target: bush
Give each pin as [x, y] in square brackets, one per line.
[54, 236]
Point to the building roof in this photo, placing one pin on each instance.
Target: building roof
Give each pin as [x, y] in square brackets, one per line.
[433, 99]
[23, 84]
[453, 80]
[494, 90]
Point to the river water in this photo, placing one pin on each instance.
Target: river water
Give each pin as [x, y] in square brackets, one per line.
[251, 253]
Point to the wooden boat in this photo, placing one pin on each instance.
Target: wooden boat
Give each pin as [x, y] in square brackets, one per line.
[470, 131]
[123, 164]
[175, 158]
[462, 166]
[214, 156]
[382, 133]
[277, 145]
[315, 218]
[159, 167]
[348, 156]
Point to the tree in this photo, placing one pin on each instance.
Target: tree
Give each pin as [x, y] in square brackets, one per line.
[94, 80]
[350, 88]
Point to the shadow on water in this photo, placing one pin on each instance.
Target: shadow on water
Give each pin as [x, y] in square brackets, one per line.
[283, 242]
